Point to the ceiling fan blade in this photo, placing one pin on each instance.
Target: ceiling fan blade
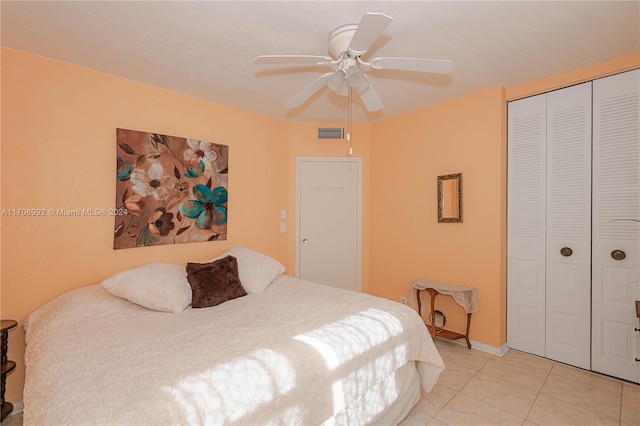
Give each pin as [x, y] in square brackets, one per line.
[369, 29]
[293, 60]
[308, 91]
[369, 96]
[436, 66]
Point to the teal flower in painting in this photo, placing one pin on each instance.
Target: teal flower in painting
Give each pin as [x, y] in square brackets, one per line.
[124, 169]
[194, 169]
[208, 208]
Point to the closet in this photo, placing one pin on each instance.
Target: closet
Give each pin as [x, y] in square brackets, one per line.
[573, 232]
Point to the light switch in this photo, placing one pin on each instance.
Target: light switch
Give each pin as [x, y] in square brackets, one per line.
[283, 228]
[283, 214]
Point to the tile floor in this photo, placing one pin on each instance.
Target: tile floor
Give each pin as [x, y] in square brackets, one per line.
[477, 388]
[517, 389]
[14, 419]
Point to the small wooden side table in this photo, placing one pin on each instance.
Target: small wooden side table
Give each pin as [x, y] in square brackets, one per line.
[467, 297]
[7, 366]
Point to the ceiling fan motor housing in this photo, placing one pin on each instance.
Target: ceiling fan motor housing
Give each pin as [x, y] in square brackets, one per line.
[340, 39]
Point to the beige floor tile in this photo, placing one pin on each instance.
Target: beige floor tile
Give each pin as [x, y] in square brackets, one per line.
[631, 391]
[447, 346]
[14, 419]
[630, 413]
[567, 395]
[452, 350]
[551, 411]
[455, 376]
[417, 416]
[436, 422]
[511, 398]
[464, 410]
[511, 371]
[436, 399]
[587, 377]
[528, 360]
[602, 401]
[412, 421]
[469, 358]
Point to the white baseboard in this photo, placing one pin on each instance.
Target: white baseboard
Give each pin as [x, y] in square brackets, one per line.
[18, 407]
[483, 347]
[490, 349]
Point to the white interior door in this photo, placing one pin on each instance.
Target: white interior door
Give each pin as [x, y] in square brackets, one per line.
[568, 234]
[526, 226]
[329, 221]
[616, 203]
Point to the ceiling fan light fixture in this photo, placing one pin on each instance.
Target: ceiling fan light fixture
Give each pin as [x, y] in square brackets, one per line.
[356, 77]
[344, 91]
[337, 81]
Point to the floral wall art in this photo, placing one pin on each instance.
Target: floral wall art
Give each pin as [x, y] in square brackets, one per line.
[169, 190]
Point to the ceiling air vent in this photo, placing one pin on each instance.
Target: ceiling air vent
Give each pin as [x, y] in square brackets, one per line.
[330, 133]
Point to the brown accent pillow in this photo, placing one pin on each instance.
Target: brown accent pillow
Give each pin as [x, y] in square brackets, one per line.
[214, 283]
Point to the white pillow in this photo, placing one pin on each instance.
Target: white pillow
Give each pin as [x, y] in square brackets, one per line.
[256, 270]
[158, 286]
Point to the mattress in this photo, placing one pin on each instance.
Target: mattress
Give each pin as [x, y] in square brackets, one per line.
[298, 353]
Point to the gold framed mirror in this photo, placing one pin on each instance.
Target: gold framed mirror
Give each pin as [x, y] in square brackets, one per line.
[450, 198]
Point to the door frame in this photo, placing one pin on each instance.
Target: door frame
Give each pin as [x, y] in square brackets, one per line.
[358, 162]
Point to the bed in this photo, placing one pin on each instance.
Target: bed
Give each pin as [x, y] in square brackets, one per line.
[294, 353]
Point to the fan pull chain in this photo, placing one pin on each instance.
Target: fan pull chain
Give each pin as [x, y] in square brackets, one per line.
[349, 119]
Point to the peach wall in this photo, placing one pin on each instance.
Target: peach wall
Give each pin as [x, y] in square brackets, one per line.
[58, 150]
[407, 154]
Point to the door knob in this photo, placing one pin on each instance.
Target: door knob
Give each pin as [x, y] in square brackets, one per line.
[618, 254]
[305, 241]
[566, 251]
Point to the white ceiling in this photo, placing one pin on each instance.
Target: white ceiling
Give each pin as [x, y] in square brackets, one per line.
[205, 48]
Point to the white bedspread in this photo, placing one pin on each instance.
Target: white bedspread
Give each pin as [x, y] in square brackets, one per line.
[299, 353]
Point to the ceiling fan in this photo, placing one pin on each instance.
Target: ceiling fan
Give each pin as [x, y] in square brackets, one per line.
[347, 44]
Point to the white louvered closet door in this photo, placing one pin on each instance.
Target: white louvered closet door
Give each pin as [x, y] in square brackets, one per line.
[616, 202]
[526, 225]
[568, 230]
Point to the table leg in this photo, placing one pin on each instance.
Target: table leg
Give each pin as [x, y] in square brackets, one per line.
[466, 335]
[433, 295]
